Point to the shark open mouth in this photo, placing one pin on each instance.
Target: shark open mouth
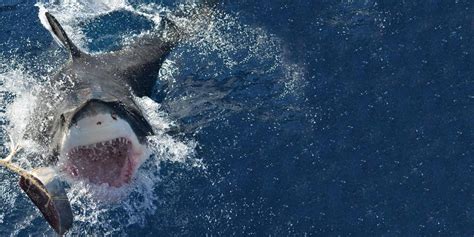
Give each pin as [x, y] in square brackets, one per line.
[110, 162]
[101, 147]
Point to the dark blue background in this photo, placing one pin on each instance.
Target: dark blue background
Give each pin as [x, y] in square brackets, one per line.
[379, 140]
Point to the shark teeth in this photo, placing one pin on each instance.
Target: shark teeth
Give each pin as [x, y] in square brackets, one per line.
[112, 162]
[115, 142]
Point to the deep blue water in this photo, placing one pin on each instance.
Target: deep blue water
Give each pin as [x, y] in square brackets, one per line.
[376, 138]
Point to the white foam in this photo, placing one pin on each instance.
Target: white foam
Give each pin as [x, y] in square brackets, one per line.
[15, 114]
[165, 147]
[23, 87]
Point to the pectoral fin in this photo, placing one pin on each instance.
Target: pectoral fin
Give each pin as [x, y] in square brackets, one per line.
[47, 192]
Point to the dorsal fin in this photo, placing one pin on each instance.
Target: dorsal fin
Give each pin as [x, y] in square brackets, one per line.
[58, 33]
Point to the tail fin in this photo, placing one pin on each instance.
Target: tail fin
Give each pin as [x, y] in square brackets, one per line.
[58, 33]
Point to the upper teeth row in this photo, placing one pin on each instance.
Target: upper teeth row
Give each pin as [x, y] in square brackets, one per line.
[104, 143]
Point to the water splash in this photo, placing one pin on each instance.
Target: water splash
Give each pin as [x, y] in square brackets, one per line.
[90, 210]
[19, 89]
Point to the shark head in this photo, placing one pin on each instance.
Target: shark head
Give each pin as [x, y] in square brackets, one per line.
[102, 142]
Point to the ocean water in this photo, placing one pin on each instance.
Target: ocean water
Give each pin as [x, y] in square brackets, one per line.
[289, 118]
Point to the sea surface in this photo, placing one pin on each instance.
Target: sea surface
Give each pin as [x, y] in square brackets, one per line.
[277, 118]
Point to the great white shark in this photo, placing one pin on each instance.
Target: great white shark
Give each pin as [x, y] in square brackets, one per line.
[92, 127]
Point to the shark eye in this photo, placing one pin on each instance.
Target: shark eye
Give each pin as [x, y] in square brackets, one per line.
[63, 119]
[114, 116]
